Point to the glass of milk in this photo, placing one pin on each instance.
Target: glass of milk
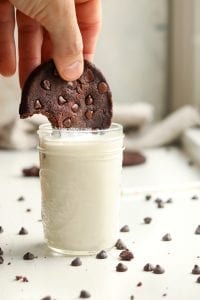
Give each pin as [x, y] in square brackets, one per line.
[80, 175]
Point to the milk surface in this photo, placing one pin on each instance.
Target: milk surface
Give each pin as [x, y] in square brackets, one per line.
[80, 180]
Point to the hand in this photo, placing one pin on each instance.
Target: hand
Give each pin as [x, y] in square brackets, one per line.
[65, 30]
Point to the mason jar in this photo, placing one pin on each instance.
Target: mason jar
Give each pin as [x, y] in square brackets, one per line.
[80, 176]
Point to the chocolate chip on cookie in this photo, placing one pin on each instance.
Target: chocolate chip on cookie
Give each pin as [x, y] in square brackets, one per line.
[83, 103]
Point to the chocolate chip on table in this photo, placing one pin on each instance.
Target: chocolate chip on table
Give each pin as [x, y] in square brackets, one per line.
[194, 197]
[84, 294]
[46, 298]
[1, 251]
[1, 260]
[169, 200]
[21, 278]
[132, 158]
[18, 277]
[196, 270]
[121, 268]
[125, 228]
[167, 237]
[126, 255]
[82, 103]
[28, 210]
[197, 231]
[1, 229]
[160, 204]
[198, 279]
[158, 200]
[147, 220]
[158, 270]
[9, 263]
[28, 256]
[23, 231]
[76, 262]
[132, 297]
[102, 255]
[31, 172]
[148, 267]
[164, 295]
[148, 197]
[139, 283]
[21, 198]
[120, 245]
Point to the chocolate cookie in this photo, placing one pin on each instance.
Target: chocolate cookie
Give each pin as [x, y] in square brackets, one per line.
[131, 158]
[83, 103]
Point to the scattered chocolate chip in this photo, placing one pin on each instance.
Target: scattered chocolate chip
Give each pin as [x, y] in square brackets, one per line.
[1, 260]
[102, 255]
[28, 256]
[132, 297]
[148, 267]
[76, 262]
[195, 197]
[45, 84]
[148, 197]
[160, 205]
[196, 270]
[1, 251]
[147, 220]
[167, 237]
[158, 270]
[18, 277]
[158, 200]
[120, 245]
[125, 228]
[89, 100]
[198, 279]
[47, 298]
[164, 295]
[84, 294]
[9, 263]
[102, 87]
[197, 231]
[126, 255]
[28, 210]
[121, 268]
[31, 172]
[139, 284]
[23, 231]
[21, 198]
[1, 229]
[25, 279]
[169, 200]
[37, 104]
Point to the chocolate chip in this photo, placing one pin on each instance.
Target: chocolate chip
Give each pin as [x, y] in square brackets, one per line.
[164, 295]
[23, 231]
[75, 107]
[196, 270]
[89, 100]
[148, 267]
[120, 245]
[28, 210]
[1, 229]
[169, 200]
[1, 251]
[195, 197]
[18, 277]
[197, 231]
[89, 76]
[76, 262]
[147, 220]
[37, 104]
[9, 263]
[198, 279]
[126, 255]
[31, 172]
[121, 268]
[102, 87]
[28, 256]
[101, 255]
[67, 122]
[148, 197]
[84, 294]
[61, 100]
[46, 85]
[125, 228]
[89, 114]
[139, 284]
[167, 237]
[158, 200]
[25, 279]
[132, 297]
[1, 260]
[160, 204]
[47, 298]
[158, 270]
[21, 198]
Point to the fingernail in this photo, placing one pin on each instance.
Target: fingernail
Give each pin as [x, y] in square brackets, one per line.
[73, 70]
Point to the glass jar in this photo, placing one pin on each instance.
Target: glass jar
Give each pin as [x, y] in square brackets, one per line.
[80, 175]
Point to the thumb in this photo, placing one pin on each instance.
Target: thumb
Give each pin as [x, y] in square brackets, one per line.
[66, 39]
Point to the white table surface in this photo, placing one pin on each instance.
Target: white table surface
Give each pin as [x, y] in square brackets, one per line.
[166, 174]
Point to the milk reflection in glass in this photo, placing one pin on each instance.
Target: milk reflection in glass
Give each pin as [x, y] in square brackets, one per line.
[80, 174]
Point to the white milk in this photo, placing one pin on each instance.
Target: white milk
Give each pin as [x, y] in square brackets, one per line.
[80, 175]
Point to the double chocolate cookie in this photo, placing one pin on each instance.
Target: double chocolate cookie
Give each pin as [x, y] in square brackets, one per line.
[83, 103]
